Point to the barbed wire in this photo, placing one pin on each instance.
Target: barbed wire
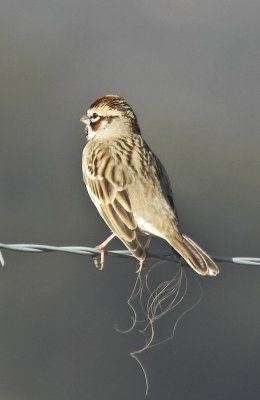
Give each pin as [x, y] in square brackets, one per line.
[38, 248]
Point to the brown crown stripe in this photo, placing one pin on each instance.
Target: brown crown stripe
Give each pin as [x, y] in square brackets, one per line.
[112, 102]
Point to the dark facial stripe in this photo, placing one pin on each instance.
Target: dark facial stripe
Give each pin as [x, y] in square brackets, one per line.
[97, 124]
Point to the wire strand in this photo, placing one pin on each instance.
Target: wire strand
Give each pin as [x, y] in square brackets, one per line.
[38, 248]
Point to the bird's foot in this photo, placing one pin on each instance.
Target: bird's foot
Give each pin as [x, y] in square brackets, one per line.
[141, 266]
[99, 261]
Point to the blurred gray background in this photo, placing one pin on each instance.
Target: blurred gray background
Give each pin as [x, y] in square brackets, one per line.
[191, 71]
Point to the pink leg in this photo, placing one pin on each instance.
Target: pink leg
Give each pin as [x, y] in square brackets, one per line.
[146, 247]
[101, 247]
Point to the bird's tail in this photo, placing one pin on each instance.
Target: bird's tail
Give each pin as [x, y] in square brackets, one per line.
[195, 256]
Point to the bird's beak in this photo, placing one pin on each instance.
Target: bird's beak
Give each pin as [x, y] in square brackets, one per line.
[84, 119]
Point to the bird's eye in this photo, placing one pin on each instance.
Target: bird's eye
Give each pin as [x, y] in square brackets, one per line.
[94, 116]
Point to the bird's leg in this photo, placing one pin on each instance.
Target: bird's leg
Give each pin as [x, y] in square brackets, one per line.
[101, 247]
[146, 247]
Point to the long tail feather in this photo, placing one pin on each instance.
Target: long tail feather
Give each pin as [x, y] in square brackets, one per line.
[195, 256]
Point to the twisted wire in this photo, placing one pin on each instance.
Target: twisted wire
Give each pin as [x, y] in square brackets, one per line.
[38, 248]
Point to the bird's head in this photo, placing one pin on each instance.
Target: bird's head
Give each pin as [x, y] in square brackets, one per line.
[109, 115]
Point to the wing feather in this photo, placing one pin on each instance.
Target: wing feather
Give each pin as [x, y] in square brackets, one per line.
[116, 224]
[108, 191]
[107, 186]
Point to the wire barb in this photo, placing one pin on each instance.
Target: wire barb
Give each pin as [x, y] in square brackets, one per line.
[37, 248]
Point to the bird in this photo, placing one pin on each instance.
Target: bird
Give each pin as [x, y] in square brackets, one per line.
[130, 187]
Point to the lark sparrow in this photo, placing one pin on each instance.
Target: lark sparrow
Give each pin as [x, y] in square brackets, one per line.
[129, 185]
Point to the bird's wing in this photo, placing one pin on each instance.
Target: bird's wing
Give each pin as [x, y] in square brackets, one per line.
[107, 182]
[165, 185]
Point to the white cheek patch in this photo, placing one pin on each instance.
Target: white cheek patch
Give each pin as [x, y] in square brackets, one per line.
[91, 134]
[104, 124]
